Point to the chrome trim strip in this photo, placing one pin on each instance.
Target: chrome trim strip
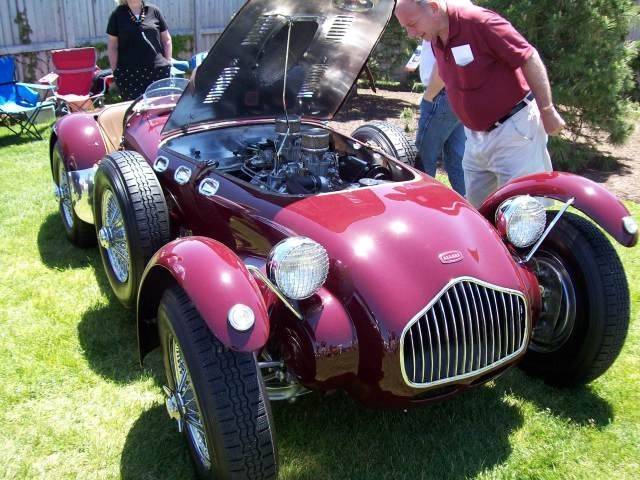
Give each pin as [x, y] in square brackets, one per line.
[258, 273]
[495, 303]
[81, 184]
[534, 249]
[422, 347]
[487, 368]
[455, 333]
[484, 322]
[464, 330]
[439, 342]
[446, 334]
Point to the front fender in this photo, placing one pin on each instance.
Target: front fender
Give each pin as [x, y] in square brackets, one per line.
[215, 280]
[80, 140]
[590, 198]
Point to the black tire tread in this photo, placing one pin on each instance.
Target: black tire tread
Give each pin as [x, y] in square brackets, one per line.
[405, 148]
[145, 214]
[595, 357]
[147, 200]
[616, 293]
[234, 381]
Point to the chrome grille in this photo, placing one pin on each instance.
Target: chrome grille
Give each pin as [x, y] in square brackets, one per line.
[469, 328]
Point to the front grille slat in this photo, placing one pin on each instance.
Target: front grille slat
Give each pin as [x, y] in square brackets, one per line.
[463, 332]
[498, 329]
[477, 330]
[422, 349]
[469, 328]
[446, 334]
[455, 333]
[485, 342]
[430, 346]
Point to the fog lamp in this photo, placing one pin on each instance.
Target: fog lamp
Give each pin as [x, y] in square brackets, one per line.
[298, 266]
[241, 317]
[521, 220]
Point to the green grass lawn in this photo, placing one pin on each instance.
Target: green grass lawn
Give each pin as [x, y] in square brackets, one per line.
[74, 403]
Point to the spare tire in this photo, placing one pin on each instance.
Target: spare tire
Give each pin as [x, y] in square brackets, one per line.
[389, 138]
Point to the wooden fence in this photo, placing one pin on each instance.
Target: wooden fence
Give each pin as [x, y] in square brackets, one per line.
[28, 26]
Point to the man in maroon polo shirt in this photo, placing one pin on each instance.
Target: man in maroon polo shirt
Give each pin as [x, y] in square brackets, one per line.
[497, 86]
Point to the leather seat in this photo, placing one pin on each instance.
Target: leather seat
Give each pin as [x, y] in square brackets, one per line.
[111, 123]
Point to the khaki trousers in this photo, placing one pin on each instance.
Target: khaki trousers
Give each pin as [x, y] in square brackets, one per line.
[517, 147]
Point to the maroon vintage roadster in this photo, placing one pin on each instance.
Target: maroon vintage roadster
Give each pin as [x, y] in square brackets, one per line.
[268, 255]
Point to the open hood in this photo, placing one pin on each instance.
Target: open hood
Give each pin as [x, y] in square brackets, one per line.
[243, 74]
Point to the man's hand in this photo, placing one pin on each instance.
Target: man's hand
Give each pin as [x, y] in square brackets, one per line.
[551, 119]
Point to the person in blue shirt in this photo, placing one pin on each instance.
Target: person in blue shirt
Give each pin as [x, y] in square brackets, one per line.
[440, 134]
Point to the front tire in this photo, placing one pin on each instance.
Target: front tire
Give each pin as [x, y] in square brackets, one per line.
[131, 220]
[389, 138]
[585, 315]
[216, 395]
[79, 233]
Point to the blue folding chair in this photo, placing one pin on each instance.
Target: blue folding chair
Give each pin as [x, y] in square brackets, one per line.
[20, 103]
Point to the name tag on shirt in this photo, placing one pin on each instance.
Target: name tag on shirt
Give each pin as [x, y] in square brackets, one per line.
[462, 55]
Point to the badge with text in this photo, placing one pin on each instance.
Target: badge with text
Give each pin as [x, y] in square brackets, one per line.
[453, 256]
[462, 55]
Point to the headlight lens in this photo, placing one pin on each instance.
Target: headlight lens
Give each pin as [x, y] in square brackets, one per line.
[522, 220]
[298, 266]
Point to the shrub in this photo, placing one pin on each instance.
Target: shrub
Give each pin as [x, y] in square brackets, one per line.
[582, 43]
[391, 55]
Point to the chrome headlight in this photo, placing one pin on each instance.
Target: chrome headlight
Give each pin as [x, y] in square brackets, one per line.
[522, 220]
[298, 266]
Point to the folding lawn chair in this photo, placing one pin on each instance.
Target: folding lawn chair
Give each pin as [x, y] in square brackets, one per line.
[75, 71]
[20, 103]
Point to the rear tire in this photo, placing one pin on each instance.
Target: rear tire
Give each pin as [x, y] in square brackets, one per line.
[80, 233]
[223, 396]
[131, 220]
[389, 138]
[599, 320]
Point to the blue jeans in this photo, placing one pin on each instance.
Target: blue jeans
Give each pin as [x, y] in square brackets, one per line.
[440, 132]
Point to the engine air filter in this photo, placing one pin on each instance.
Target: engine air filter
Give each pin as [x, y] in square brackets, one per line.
[315, 139]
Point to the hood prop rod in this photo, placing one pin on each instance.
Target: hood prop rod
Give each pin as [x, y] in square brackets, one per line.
[284, 94]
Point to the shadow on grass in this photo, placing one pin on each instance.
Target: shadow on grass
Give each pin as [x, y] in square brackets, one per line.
[372, 106]
[57, 252]
[8, 138]
[109, 338]
[154, 449]
[334, 437]
[580, 405]
[107, 334]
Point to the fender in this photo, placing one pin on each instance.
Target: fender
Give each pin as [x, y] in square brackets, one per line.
[591, 198]
[80, 141]
[215, 280]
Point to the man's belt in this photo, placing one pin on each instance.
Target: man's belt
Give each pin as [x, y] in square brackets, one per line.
[519, 106]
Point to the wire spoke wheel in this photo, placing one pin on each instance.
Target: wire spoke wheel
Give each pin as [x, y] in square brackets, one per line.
[66, 204]
[182, 404]
[113, 237]
[215, 395]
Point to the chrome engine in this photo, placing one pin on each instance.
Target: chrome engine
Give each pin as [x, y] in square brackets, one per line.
[301, 161]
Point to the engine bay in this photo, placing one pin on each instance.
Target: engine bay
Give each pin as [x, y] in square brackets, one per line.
[287, 156]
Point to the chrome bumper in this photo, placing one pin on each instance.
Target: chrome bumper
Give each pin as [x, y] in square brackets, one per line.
[81, 185]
